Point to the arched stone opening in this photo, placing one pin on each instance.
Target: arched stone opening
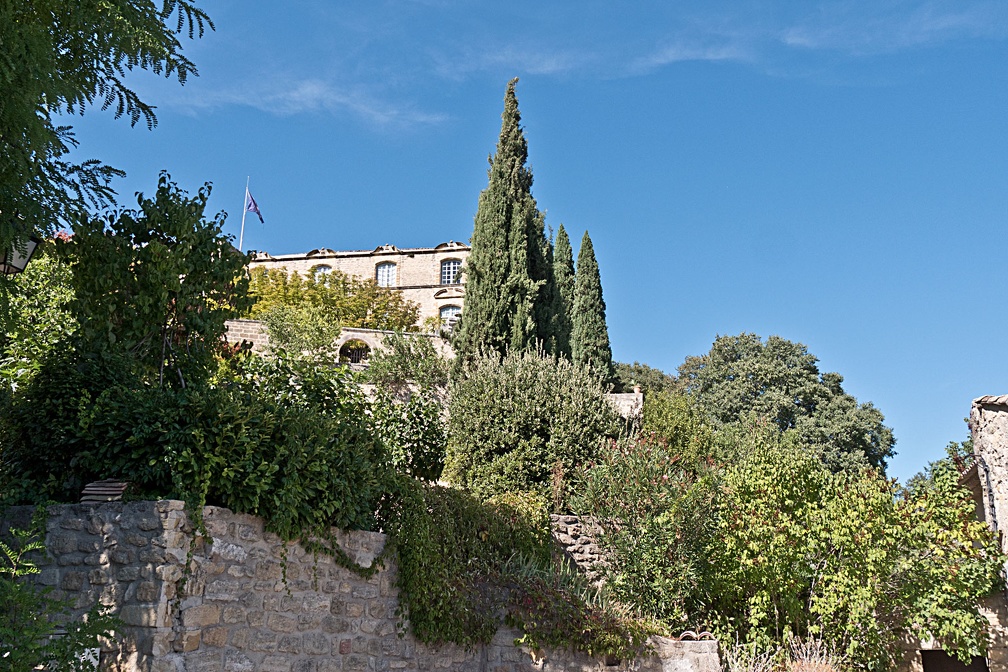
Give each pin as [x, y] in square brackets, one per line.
[354, 351]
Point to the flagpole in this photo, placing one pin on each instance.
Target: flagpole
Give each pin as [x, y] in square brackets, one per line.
[245, 208]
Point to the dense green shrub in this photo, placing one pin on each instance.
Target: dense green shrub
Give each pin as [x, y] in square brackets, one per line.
[284, 440]
[275, 437]
[772, 544]
[146, 296]
[304, 331]
[158, 283]
[414, 432]
[126, 433]
[410, 379]
[654, 508]
[34, 317]
[555, 606]
[40, 438]
[449, 547]
[675, 420]
[522, 422]
[407, 360]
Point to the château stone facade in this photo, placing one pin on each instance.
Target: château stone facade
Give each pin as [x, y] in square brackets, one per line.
[427, 276]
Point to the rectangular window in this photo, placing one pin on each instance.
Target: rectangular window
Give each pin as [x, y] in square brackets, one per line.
[449, 271]
[385, 274]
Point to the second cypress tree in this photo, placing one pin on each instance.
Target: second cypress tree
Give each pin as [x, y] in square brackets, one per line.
[563, 277]
[590, 335]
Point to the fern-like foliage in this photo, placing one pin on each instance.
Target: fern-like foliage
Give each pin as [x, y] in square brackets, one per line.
[16, 558]
[60, 58]
[29, 616]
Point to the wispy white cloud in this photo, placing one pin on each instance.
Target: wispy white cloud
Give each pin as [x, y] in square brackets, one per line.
[375, 64]
[469, 60]
[857, 30]
[679, 52]
[535, 62]
[286, 98]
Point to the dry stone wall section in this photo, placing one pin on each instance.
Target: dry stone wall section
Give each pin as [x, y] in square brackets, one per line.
[250, 602]
[577, 539]
[125, 556]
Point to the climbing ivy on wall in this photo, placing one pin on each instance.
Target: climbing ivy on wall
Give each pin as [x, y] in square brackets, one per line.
[468, 567]
[346, 300]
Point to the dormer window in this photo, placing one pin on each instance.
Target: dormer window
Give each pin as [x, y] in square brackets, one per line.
[449, 271]
[385, 274]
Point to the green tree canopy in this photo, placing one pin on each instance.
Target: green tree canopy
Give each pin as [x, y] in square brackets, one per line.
[59, 58]
[780, 380]
[851, 558]
[158, 283]
[152, 289]
[39, 317]
[522, 423]
[590, 336]
[647, 377]
[774, 545]
[304, 332]
[508, 273]
[346, 300]
[408, 360]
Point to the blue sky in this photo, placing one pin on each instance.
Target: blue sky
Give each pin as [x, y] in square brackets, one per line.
[835, 172]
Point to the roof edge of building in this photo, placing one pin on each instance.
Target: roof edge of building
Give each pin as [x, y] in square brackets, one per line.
[992, 400]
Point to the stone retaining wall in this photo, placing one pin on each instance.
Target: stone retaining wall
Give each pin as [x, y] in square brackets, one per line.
[253, 331]
[576, 538]
[251, 603]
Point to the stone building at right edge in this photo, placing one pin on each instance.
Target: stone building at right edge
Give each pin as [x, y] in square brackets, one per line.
[987, 478]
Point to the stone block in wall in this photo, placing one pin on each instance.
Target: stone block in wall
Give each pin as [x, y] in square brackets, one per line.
[281, 622]
[290, 644]
[275, 664]
[576, 538]
[201, 616]
[686, 656]
[202, 661]
[189, 641]
[139, 615]
[236, 661]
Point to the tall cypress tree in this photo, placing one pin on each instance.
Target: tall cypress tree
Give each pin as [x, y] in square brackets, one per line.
[563, 278]
[590, 336]
[508, 266]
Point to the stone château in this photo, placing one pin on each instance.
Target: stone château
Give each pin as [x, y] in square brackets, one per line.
[428, 276]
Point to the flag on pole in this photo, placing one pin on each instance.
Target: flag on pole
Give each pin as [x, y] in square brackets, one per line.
[252, 206]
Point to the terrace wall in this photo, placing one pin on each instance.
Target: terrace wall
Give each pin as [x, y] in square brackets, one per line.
[249, 602]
